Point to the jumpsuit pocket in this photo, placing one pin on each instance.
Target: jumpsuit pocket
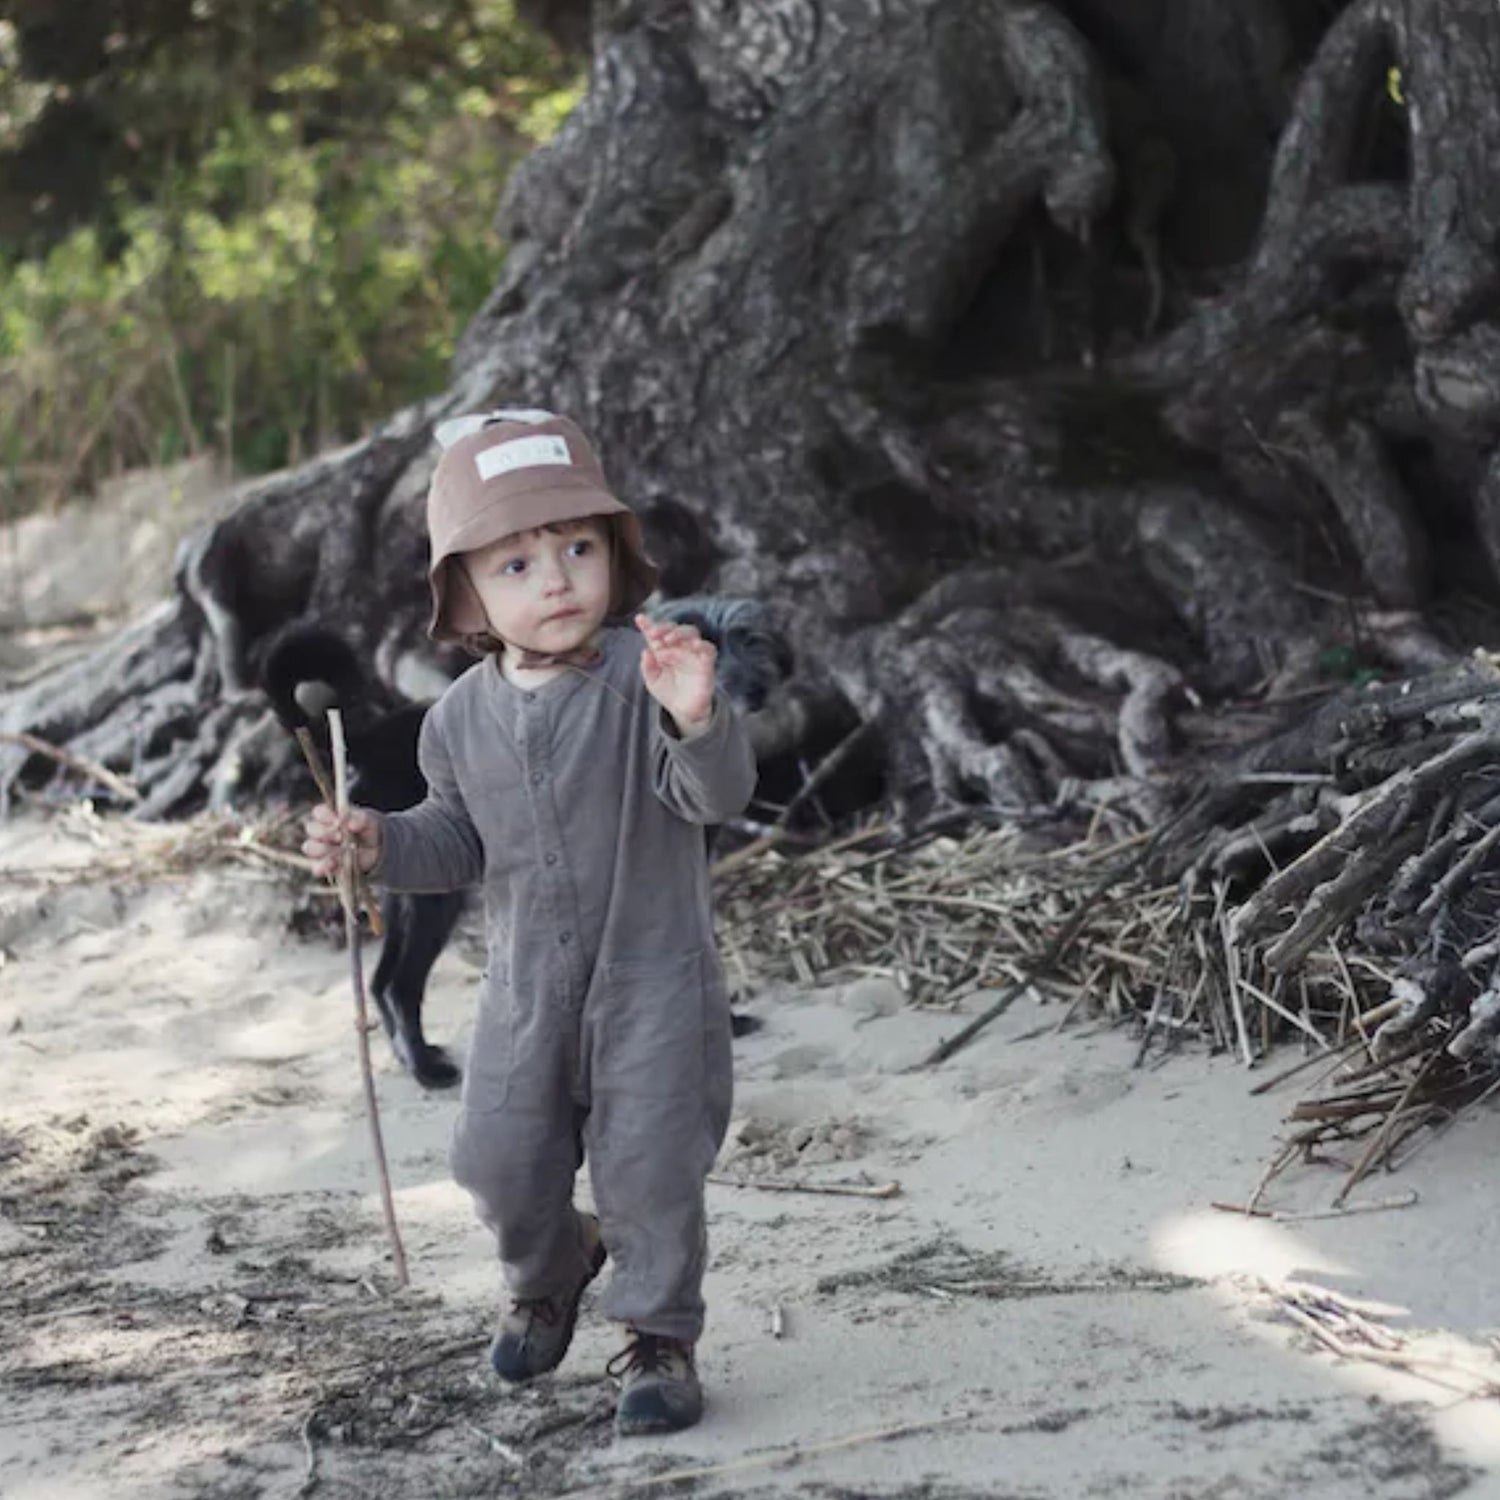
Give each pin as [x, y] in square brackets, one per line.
[491, 1050]
[653, 1027]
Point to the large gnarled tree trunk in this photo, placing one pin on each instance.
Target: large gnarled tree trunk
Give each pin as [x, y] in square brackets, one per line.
[1054, 366]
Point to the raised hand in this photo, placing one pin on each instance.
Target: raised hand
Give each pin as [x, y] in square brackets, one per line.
[678, 669]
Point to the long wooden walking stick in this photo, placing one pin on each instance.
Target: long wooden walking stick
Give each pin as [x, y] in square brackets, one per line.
[347, 875]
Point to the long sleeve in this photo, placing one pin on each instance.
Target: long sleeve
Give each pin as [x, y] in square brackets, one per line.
[433, 846]
[707, 779]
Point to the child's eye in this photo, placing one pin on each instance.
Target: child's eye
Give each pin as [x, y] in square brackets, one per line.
[581, 548]
[514, 568]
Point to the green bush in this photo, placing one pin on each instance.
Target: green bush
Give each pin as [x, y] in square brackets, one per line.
[305, 270]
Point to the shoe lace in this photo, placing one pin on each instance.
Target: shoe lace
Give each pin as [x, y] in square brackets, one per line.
[645, 1354]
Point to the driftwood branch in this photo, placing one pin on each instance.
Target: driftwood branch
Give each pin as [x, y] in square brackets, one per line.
[86, 767]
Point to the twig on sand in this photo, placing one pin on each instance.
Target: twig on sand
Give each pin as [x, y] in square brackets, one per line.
[440, 1355]
[830, 1189]
[1344, 1326]
[362, 1015]
[1367, 1160]
[1378, 1205]
[496, 1446]
[792, 1454]
[1453, 1119]
[310, 1474]
[90, 768]
[1287, 1152]
[1331, 1057]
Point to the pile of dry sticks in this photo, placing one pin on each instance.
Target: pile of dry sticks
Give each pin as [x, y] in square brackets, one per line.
[987, 916]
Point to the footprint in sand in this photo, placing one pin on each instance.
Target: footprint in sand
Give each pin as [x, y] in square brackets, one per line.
[798, 1062]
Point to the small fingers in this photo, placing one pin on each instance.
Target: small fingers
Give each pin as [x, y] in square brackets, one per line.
[325, 835]
[317, 842]
[660, 633]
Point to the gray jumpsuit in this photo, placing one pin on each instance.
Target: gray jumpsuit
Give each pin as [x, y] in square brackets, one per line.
[603, 1019]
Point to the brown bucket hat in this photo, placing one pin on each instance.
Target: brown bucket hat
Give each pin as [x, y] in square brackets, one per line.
[507, 471]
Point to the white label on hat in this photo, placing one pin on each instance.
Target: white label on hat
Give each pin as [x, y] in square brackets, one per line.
[523, 453]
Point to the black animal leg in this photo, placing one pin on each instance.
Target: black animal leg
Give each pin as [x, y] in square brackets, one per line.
[416, 929]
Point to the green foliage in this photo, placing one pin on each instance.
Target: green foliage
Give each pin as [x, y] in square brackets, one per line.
[313, 240]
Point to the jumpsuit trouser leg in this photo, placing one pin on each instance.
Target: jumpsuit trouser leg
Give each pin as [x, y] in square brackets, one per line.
[657, 1042]
[642, 1082]
[517, 1145]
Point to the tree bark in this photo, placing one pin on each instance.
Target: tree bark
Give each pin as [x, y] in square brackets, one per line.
[859, 300]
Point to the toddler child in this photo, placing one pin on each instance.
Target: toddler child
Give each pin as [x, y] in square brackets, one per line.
[570, 772]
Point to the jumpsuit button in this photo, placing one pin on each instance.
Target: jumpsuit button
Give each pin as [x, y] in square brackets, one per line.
[550, 858]
[537, 778]
[565, 938]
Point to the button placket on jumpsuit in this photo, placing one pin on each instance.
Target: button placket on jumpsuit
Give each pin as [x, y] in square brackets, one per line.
[614, 1034]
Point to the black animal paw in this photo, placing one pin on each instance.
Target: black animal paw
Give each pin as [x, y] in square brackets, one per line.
[432, 1067]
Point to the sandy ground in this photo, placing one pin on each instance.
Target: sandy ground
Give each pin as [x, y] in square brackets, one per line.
[197, 1299]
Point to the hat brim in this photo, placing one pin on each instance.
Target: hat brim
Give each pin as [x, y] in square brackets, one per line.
[543, 507]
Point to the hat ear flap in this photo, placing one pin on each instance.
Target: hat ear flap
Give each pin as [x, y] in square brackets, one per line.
[457, 610]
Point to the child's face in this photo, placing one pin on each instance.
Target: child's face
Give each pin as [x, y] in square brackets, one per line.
[545, 590]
